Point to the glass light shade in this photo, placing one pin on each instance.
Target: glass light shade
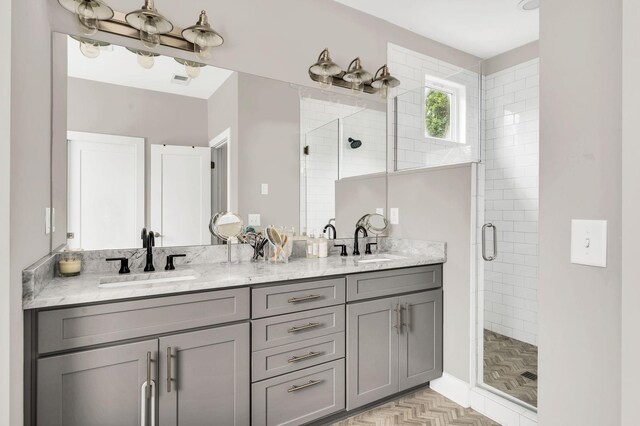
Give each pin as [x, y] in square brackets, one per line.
[193, 72]
[87, 26]
[150, 23]
[201, 52]
[356, 75]
[145, 61]
[192, 68]
[90, 50]
[325, 66]
[384, 81]
[384, 91]
[98, 9]
[325, 81]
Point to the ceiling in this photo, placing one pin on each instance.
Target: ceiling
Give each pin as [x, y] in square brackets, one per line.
[484, 28]
[116, 65]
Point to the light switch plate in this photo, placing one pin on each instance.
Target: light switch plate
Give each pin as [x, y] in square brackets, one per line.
[394, 215]
[254, 219]
[589, 242]
[264, 190]
[380, 210]
[47, 221]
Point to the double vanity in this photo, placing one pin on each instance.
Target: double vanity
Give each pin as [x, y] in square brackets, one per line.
[246, 343]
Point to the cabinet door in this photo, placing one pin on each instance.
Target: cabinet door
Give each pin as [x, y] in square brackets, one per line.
[421, 338]
[101, 387]
[372, 351]
[204, 377]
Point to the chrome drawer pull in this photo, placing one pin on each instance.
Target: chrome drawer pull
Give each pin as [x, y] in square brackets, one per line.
[305, 327]
[306, 385]
[304, 298]
[303, 357]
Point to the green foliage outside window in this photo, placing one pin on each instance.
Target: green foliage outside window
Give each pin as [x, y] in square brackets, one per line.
[437, 114]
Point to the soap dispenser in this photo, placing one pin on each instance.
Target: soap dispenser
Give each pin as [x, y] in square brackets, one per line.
[323, 246]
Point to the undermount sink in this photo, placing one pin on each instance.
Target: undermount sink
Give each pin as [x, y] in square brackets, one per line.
[147, 278]
[380, 258]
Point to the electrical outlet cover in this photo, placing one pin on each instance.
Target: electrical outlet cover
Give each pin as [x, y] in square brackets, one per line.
[254, 219]
[264, 190]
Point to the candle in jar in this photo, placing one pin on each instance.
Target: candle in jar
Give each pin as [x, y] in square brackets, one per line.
[70, 266]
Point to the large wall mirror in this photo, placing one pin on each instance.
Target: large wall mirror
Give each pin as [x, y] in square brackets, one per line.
[143, 141]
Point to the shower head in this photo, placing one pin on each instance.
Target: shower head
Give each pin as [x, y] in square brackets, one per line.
[354, 143]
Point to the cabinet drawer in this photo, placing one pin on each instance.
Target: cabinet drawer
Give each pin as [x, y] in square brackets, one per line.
[90, 325]
[285, 299]
[296, 356]
[386, 283]
[299, 397]
[285, 329]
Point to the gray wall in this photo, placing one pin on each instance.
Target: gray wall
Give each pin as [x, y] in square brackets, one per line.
[356, 197]
[442, 212]
[59, 141]
[580, 163]
[269, 137]
[5, 175]
[30, 166]
[511, 58]
[630, 208]
[160, 118]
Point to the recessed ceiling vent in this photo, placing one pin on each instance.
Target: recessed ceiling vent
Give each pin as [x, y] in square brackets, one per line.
[527, 5]
[180, 79]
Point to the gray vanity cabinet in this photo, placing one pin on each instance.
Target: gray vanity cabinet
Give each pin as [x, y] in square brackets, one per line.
[372, 351]
[204, 377]
[393, 344]
[100, 387]
[420, 350]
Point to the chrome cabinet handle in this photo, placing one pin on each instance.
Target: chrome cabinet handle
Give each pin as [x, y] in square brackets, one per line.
[484, 242]
[148, 375]
[303, 357]
[169, 369]
[304, 298]
[304, 327]
[407, 308]
[310, 383]
[398, 324]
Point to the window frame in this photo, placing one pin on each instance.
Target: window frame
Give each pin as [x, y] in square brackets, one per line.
[457, 107]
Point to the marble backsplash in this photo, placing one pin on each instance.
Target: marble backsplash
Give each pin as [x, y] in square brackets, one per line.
[36, 276]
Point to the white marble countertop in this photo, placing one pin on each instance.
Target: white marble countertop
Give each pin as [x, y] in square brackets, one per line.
[212, 276]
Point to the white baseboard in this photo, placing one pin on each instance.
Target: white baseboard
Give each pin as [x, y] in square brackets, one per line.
[489, 404]
[453, 388]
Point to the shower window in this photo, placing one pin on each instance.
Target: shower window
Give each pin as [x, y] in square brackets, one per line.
[444, 109]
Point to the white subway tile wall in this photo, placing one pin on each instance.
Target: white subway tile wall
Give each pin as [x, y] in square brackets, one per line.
[327, 140]
[414, 149]
[509, 179]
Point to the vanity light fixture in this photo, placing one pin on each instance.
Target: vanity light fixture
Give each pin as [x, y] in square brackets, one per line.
[150, 23]
[203, 37]
[190, 67]
[324, 70]
[383, 81]
[357, 76]
[89, 13]
[145, 59]
[90, 48]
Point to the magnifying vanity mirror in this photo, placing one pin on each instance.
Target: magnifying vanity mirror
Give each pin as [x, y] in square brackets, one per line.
[374, 223]
[227, 227]
[148, 141]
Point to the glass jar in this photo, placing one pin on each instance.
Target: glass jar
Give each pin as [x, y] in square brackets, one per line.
[70, 264]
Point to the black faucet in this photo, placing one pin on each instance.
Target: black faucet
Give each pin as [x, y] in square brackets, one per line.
[356, 251]
[330, 226]
[149, 242]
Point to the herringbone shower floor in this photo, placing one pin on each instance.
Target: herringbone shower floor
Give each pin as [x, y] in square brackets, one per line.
[424, 408]
[505, 360]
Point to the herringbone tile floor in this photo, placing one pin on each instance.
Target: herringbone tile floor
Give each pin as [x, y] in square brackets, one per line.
[505, 360]
[423, 408]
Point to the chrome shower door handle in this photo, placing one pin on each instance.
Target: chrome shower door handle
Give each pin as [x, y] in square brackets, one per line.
[484, 242]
